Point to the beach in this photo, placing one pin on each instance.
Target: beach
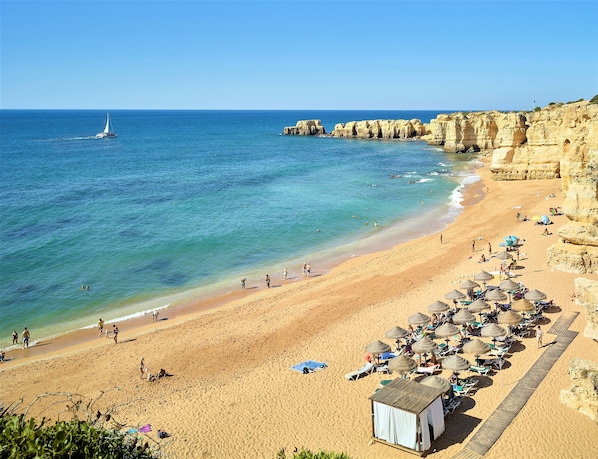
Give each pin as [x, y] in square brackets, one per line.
[232, 393]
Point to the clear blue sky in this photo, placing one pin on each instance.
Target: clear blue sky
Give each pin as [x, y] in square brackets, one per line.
[297, 54]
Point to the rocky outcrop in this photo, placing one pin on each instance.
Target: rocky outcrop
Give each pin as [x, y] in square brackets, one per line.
[305, 127]
[577, 248]
[583, 395]
[558, 142]
[380, 129]
[479, 131]
[586, 297]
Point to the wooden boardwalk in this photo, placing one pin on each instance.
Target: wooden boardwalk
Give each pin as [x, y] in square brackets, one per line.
[494, 426]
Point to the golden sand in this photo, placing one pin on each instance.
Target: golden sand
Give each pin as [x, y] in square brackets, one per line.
[232, 394]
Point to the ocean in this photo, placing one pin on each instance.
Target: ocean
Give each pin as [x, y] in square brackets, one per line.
[182, 204]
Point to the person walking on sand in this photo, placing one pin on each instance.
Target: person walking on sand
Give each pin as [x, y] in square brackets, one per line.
[489, 249]
[142, 367]
[101, 326]
[441, 238]
[473, 245]
[15, 337]
[539, 335]
[155, 316]
[26, 336]
[115, 333]
[267, 281]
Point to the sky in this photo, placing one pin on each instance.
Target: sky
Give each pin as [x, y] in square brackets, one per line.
[294, 55]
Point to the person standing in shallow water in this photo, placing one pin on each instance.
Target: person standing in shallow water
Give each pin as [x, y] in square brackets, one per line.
[15, 337]
[267, 281]
[26, 336]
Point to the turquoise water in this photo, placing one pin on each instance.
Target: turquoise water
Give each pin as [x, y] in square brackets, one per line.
[185, 203]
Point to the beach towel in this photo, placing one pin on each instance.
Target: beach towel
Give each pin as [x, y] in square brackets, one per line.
[311, 365]
[387, 355]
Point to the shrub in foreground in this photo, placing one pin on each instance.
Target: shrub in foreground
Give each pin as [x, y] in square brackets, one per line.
[20, 438]
[307, 454]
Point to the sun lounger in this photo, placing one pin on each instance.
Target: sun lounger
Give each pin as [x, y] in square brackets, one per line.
[383, 369]
[499, 352]
[480, 370]
[462, 390]
[451, 406]
[364, 370]
[428, 370]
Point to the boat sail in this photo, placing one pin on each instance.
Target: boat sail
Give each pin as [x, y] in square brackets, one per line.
[108, 131]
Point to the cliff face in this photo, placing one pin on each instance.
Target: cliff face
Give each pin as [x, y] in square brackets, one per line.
[305, 127]
[380, 129]
[583, 394]
[559, 141]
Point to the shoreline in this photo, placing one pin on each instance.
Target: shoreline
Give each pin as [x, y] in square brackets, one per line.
[232, 393]
[179, 306]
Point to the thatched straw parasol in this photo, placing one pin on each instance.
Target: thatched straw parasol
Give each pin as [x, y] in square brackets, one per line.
[504, 256]
[446, 330]
[454, 295]
[478, 305]
[522, 305]
[495, 295]
[436, 382]
[463, 316]
[397, 333]
[476, 347]
[535, 295]
[508, 284]
[493, 331]
[455, 362]
[418, 319]
[437, 307]
[424, 345]
[377, 347]
[402, 364]
[483, 276]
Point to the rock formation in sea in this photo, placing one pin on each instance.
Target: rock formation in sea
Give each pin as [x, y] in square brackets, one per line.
[305, 127]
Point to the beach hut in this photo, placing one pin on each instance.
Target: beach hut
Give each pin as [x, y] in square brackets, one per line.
[407, 415]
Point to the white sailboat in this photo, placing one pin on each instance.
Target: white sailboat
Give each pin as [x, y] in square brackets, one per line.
[108, 131]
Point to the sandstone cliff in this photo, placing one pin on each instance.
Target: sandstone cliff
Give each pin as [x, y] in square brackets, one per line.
[583, 395]
[380, 129]
[558, 141]
[305, 127]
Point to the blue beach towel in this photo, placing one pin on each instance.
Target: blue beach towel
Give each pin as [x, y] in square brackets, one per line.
[311, 365]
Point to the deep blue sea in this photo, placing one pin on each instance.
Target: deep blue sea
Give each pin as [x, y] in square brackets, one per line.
[183, 204]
